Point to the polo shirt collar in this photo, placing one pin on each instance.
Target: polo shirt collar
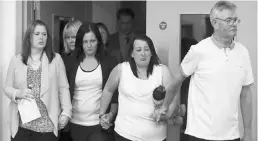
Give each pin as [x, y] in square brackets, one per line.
[220, 45]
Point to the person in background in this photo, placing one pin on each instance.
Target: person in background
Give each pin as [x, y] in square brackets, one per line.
[105, 39]
[37, 73]
[104, 34]
[221, 78]
[136, 80]
[87, 78]
[119, 41]
[69, 36]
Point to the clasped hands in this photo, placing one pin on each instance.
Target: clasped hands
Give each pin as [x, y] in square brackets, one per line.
[62, 121]
[161, 114]
[106, 119]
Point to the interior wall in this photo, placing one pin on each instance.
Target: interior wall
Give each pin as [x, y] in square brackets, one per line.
[10, 14]
[167, 41]
[74, 9]
[105, 12]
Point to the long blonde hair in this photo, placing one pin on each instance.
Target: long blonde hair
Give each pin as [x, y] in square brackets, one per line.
[75, 25]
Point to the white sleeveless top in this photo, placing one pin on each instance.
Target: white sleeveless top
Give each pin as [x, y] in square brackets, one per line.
[134, 120]
[86, 99]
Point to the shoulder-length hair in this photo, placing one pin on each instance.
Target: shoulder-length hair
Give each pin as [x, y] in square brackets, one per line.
[74, 26]
[103, 26]
[26, 44]
[85, 28]
[154, 57]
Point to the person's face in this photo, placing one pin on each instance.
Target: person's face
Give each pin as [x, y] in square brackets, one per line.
[70, 38]
[39, 37]
[141, 53]
[226, 23]
[90, 44]
[125, 24]
[103, 35]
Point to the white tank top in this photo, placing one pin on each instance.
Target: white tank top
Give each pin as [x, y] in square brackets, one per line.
[134, 120]
[86, 99]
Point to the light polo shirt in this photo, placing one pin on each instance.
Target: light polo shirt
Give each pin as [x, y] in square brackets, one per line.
[217, 77]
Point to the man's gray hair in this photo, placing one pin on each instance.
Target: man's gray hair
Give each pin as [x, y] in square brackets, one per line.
[220, 6]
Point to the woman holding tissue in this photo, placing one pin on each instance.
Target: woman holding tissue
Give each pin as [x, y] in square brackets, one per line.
[136, 80]
[37, 85]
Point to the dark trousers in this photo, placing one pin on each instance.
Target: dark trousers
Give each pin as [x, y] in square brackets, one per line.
[65, 134]
[192, 138]
[29, 135]
[89, 133]
[120, 138]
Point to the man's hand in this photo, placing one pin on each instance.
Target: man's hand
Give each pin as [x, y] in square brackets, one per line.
[63, 120]
[247, 135]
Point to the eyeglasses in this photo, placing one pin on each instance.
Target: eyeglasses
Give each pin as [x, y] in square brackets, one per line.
[230, 21]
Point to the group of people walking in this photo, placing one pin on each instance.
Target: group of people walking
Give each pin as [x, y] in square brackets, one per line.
[101, 88]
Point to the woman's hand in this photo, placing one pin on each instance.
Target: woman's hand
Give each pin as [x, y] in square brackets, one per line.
[63, 120]
[24, 94]
[106, 119]
[162, 114]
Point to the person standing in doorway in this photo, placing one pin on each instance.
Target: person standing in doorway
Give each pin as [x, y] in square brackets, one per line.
[104, 35]
[119, 41]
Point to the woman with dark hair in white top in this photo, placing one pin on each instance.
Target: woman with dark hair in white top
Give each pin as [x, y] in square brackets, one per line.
[87, 77]
[136, 80]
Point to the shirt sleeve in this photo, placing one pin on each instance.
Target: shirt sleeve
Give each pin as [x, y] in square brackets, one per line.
[190, 61]
[64, 93]
[249, 79]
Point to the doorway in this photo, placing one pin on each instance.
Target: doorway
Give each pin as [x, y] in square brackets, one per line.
[59, 23]
[194, 28]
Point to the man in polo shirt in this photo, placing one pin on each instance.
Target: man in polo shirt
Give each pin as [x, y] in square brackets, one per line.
[221, 74]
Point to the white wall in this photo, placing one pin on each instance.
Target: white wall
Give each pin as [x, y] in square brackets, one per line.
[105, 12]
[10, 13]
[167, 41]
[74, 9]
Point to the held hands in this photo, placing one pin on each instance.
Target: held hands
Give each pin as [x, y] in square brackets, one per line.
[161, 114]
[62, 121]
[24, 94]
[105, 120]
